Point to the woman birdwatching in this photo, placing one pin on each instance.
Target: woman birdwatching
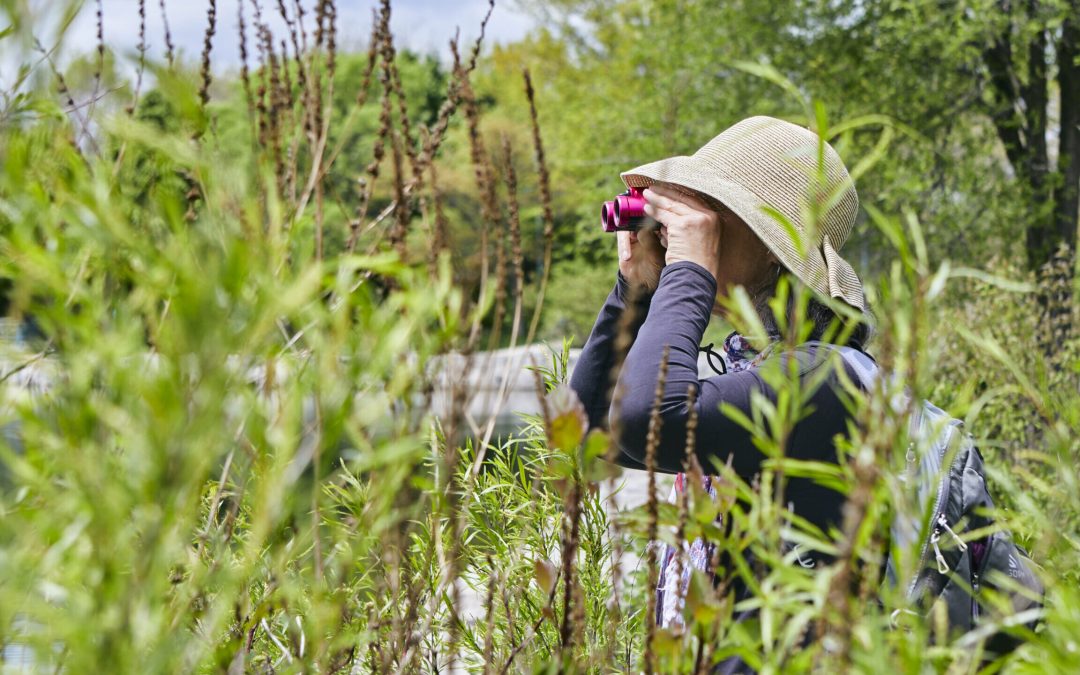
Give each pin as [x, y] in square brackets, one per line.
[720, 214]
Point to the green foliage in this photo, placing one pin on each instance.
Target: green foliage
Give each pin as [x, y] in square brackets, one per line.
[631, 81]
[236, 463]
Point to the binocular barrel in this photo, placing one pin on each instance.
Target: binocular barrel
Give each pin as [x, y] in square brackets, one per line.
[625, 212]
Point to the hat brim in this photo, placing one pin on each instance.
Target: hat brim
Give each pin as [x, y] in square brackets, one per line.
[819, 267]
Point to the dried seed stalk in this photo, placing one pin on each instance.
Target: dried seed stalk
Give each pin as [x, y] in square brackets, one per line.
[142, 57]
[316, 126]
[208, 43]
[278, 104]
[433, 141]
[479, 40]
[439, 241]
[504, 593]
[331, 39]
[99, 67]
[390, 61]
[453, 97]
[372, 54]
[293, 153]
[485, 184]
[331, 67]
[379, 148]
[361, 99]
[401, 214]
[386, 78]
[65, 92]
[286, 79]
[500, 281]
[571, 541]
[290, 26]
[262, 113]
[545, 201]
[489, 613]
[652, 442]
[517, 259]
[170, 50]
[320, 24]
[298, 11]
[684, 501]
[245, 71]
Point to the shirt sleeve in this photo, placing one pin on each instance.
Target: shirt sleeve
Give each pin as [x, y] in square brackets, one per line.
[678, 315]
[593, 377]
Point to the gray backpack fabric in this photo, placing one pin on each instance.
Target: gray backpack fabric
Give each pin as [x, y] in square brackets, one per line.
[946, 497]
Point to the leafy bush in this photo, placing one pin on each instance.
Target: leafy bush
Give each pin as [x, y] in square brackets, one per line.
[235, 464]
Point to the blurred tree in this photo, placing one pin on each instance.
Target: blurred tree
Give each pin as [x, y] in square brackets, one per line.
[1033, 40]
[990, 87]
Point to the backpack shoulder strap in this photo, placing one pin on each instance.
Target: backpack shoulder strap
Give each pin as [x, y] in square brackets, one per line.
[862, 364]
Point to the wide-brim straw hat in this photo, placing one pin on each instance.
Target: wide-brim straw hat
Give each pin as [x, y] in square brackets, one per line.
[788, 185]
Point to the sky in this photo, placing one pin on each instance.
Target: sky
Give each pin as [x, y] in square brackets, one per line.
[425, 26]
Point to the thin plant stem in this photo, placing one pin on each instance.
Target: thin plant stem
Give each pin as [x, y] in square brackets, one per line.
[208, 44]
[545, 201]
[170, 50]
[652, 443]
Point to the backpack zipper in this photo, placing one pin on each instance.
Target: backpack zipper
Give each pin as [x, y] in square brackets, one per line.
[975, 596]
[925, 551]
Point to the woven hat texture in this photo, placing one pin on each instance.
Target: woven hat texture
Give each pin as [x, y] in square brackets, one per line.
[789, 186]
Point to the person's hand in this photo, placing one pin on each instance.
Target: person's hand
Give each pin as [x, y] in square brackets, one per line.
[690, 228]
[640, 258]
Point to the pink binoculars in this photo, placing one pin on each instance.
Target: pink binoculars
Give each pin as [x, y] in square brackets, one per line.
[625, 212]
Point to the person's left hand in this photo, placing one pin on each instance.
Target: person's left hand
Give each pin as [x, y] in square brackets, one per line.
[690, 229]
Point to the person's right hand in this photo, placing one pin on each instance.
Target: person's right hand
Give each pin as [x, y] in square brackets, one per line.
[641, 257]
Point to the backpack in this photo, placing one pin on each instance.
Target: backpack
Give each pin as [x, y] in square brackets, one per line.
[947, 496]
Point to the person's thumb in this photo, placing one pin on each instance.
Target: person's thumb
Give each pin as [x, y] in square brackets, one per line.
[624, 245]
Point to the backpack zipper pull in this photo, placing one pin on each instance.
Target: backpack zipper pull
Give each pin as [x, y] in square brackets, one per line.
[942, 566]
[959, 542]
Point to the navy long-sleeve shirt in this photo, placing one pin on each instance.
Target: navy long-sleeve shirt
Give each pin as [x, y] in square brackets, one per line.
[676, 316]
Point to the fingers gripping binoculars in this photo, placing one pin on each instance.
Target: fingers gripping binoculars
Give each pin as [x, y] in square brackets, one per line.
[625, 212]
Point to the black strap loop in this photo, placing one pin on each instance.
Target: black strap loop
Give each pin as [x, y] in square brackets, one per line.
[714, 357]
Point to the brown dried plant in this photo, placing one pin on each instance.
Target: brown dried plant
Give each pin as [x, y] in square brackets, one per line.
[440, 226]
[245, 70]
[141, 68]
[489, 616]
[570, 544]
[82, 121]
[652, 443]
[287, 88]
[679, 559]
[99, 64]
[381, 35]
[208, 44]
[499, 309]
[170, 49]
[517, 259]
[485, 185]
[545, 201]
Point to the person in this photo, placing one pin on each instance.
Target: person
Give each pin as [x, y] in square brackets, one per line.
[722, 214]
